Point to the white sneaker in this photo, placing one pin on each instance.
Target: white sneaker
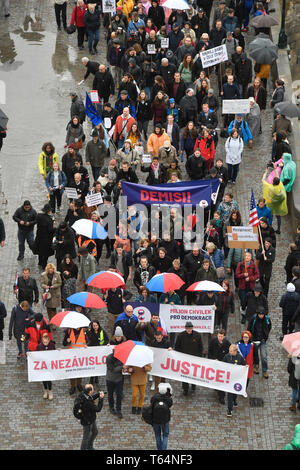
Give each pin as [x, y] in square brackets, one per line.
[45, 394]
[150, 378]
[50, 395]
[152, 386]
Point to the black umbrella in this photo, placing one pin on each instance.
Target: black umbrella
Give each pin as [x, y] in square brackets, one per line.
[263, 21]
[263, 50]
[287, 108]
[3, 120]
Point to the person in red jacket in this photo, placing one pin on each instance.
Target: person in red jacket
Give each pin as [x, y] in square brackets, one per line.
[34, 330]
[249, 351]
[77, 20]
[207, 147]
[247, 273]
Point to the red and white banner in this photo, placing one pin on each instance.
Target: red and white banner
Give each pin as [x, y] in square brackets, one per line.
[67, 363]
[200, 371]
[176, 316]
[88, 362]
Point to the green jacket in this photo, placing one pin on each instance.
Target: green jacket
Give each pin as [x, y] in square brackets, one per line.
[288, 173]
[295, 440]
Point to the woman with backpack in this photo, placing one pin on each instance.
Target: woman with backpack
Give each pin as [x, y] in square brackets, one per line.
[161, 403]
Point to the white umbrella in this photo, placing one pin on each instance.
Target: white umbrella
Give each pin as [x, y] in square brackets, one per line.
[176, 4]
[205, 286]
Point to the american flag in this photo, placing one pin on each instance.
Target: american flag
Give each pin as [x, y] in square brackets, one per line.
[253, 217]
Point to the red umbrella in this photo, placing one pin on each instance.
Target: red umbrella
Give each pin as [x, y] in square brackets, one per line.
[106, 280]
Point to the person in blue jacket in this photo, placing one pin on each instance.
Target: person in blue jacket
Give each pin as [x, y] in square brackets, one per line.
[264, 211]
[243, 129]
[128, 321]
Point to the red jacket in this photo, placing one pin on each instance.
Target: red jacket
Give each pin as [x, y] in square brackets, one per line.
[253, 274]
[207, 148]
[35, 335]
[77, 16]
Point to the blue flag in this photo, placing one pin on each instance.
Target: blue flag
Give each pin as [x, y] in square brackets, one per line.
[91, 111]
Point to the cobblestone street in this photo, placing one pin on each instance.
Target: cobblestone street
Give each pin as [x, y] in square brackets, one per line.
[44, 66]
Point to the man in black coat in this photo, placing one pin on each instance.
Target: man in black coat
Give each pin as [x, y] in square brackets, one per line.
[167, 70]
[2, 232]
[77, 107]
[243, 72]
[200, 23]
[143, 273]
[189, 342]
[196, 166]
[128, 321]
[260, 326]
[26, 288]
[157, 14]
[217, 349]
[64, 243]
[104, 83]
[266, 257]
[255, 300]
[233, 357]
[25, 216]
[3, 314]
[91, 67]
[88, 413]
[217, 34]
[127, 173]
[177, 88]
[207, 118]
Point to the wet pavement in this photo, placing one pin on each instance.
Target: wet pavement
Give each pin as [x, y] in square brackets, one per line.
[40, 66]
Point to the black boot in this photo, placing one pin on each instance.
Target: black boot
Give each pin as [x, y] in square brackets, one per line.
[133, 411]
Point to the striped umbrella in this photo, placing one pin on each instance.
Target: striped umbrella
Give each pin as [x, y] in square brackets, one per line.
[106, 280]
[87, 299]
[70, 319]
[133, 353]
[165, 282]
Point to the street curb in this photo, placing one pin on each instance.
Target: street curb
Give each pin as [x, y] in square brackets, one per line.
[284, 73]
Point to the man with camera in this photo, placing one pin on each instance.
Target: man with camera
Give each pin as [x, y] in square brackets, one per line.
[86, 410]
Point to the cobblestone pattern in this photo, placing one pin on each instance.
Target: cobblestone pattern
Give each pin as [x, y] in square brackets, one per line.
[198, 421]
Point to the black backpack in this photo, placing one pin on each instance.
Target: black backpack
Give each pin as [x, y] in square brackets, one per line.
[77, 408]
[161, 412]
[147, 414]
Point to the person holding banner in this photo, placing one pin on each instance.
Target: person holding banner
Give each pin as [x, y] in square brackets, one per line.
[236, 358]
[46, 345]
[189, 342]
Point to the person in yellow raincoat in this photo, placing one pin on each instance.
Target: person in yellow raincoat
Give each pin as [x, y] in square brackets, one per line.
[275, 196]
[127, 7]
[46, 159]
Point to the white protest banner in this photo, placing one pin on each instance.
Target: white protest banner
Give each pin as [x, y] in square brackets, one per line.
[242, 234]
[235, 106]
[200, 371]
[164, 43]
[108, 6]
[94, 96]
[176, 316]
[214, 56]
[147, 158]
[71, 193]
[93, 199]
[67, 363]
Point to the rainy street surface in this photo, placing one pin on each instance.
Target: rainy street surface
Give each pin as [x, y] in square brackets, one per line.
[39, 67]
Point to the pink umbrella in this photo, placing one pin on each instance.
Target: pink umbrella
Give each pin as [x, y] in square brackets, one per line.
[291, 343]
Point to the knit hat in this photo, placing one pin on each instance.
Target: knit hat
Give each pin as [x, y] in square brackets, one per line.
[290, 287]
[95, 133]
[118, 331]
[71, 146]
[171, 100]
[38, 317]
[211, 91]
[124, 92]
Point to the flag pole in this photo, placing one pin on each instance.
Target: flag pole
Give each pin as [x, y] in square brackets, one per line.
[261, 242]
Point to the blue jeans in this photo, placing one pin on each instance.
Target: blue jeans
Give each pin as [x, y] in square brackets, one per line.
[263, 355]
[111, 388]
[232, 171]
[96, 172]
[94, 37]
[295, 395]
[22, 237]
[161, 435]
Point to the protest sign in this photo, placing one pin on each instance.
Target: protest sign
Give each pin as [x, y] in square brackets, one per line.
[235, 107]
[93, 199]
[217, 375]
[164, 43]
[151, 49]
[214, 56]
[71, 193]
[243, 237]
[108, 6]
[67, 363]
[94, 96]
[176, 316]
